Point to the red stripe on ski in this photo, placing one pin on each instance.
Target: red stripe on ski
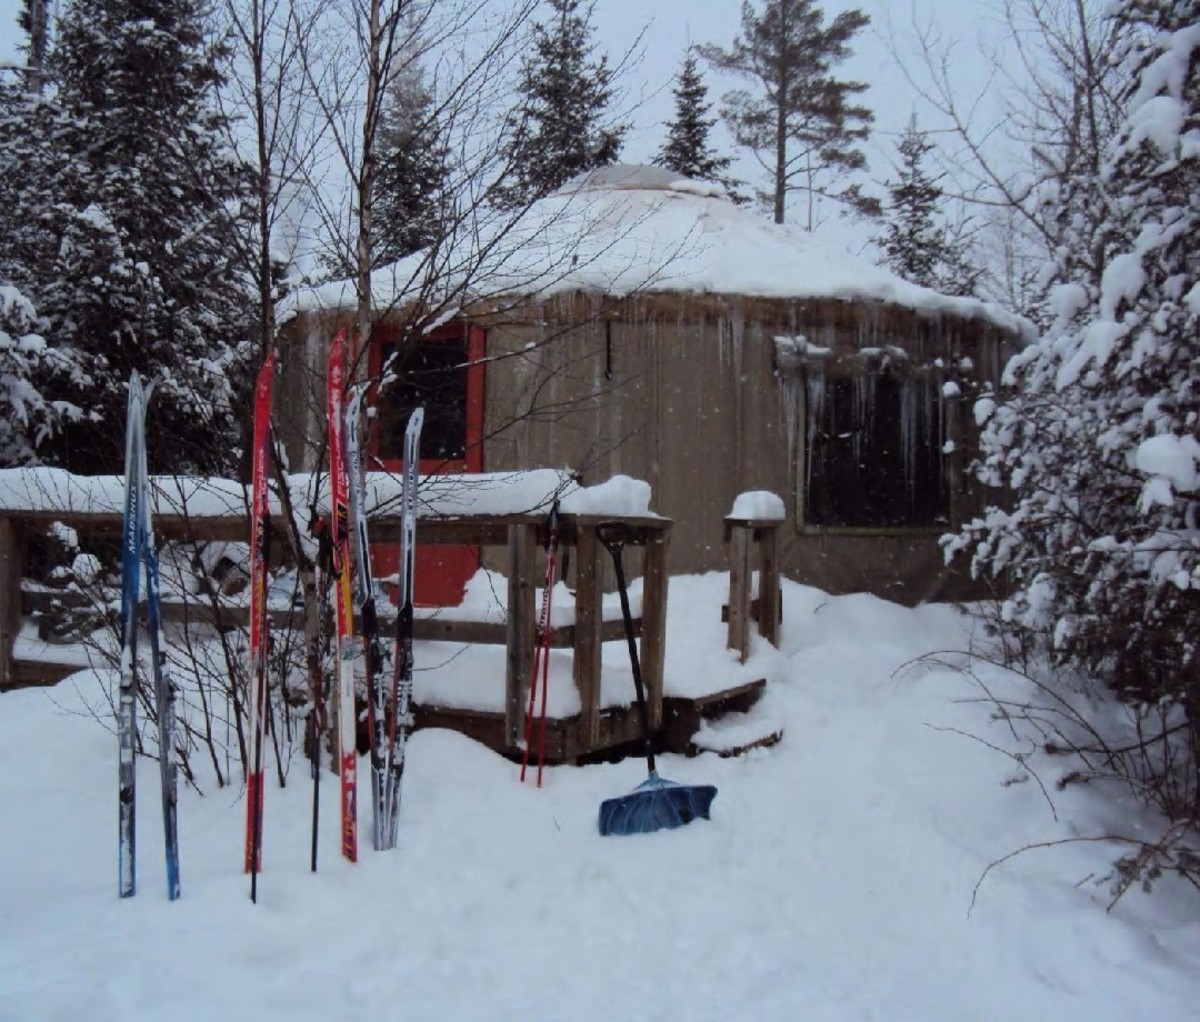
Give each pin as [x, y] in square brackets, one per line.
[260, 512]
[339, 482]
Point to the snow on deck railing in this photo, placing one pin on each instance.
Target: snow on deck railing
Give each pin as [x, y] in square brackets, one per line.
[759, 505]
[53, 490]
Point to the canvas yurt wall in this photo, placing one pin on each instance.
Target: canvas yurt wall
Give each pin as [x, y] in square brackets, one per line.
[708, 398]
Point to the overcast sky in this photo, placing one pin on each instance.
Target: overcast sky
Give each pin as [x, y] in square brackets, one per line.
[670, 24]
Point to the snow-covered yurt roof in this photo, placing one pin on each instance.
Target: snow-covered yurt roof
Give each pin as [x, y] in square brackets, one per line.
[629, 229]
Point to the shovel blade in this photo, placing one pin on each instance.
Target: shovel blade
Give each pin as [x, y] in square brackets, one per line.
[656, 804]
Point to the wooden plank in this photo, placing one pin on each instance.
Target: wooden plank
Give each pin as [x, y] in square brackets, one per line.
[585, 668]
[10, 597]
[467, 530]
[522, 554]
[37, 674]
[768, 585]
[739, 590]
[654, 625]
[200, 611]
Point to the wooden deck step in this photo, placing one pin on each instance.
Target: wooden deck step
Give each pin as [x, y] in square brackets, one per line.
[682, 717]
[735, 733]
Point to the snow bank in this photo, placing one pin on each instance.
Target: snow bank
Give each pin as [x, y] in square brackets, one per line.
[832, 883]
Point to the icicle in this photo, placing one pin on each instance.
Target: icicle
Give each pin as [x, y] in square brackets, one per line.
[791, 395]
[860, 418]
[909, 431]
[814, 407]
[866, 419]
[736, 330]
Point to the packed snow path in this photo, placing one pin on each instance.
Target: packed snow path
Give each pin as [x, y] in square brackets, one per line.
[833, 882]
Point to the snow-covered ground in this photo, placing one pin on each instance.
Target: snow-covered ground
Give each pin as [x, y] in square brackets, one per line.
[832, 883]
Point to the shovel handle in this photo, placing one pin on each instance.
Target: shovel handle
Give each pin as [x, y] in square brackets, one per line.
[614, 536]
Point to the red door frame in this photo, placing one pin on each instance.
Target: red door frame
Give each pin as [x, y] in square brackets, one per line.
[441, 571]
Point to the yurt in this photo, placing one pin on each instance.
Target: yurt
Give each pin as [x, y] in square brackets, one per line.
[639, 324]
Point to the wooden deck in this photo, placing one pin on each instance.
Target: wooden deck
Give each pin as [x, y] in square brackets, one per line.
[522, 534]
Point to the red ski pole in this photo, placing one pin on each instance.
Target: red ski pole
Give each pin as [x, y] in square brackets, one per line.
[551, 551]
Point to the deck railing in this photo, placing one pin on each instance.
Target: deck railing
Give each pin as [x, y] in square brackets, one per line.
[522, 534]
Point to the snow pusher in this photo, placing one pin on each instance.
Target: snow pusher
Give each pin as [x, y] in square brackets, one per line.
[656, 803]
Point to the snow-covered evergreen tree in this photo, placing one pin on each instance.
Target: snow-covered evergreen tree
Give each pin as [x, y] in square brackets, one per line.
[686, 150]
[32, 366]
[916, 240]
[803, 126]
[143, 203]
[1098, 439]
[26, 363]
[560, 128]
[411, 186]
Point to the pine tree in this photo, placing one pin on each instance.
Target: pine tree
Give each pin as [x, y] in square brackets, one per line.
[411, 186]
[805, 121]
[917, 243]
[35, 369]
[686, 150]
[145, 200]
[559, 129]
[1098, 436]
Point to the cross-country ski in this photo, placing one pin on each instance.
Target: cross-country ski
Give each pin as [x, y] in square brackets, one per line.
[259, 693]
[131, 576]
[400, 722]
[339, 482]
[372, 648]
[138, 555]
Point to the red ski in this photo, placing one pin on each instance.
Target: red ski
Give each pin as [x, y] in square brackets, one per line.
[260, 520]
[339, 482]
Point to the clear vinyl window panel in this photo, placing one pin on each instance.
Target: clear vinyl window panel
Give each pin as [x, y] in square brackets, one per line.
[873, 450]
[434, 374]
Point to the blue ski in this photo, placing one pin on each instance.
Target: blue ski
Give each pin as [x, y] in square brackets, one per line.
[164, 688]
[131, 529]
[137, 549]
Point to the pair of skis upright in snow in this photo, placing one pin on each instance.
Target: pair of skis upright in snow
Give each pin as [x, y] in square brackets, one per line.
[388, 730]
[138, 553]
[348, 531]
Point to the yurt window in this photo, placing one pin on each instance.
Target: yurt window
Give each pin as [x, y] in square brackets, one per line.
[432, 374]
[873, 449]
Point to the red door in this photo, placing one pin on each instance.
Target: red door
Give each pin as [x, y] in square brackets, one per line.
[443, 371]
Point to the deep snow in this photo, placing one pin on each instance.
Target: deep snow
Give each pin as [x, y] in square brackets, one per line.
[832, 883]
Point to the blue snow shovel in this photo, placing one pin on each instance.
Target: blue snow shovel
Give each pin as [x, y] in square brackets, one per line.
[656, 803]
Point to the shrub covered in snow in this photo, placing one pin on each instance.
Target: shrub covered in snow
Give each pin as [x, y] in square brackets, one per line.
[1096, 438]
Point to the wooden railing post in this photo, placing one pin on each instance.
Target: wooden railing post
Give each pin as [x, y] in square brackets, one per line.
[10, 598]
[768, 583]
[522, 555]
[588, 620]
[654, 623]
[740, 534]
